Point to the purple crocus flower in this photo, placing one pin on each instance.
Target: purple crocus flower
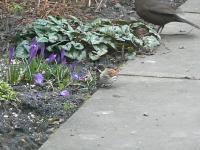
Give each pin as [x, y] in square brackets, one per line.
[58, 59]
[82, 78]
[42, 48]
[75, 76]
[38, 79]
[78, 77]
[62, 56]
[73, 66]
[65, 93]
[51, 58]
[33, 50]
[11, 54]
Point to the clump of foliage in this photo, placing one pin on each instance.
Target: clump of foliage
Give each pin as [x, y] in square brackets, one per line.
[47, 49]
[54, 70]
[15, 7]
[69, 106]
[6, 92]
[24, 72]
[84, 40]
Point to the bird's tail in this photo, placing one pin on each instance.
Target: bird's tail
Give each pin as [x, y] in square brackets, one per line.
[188, 22]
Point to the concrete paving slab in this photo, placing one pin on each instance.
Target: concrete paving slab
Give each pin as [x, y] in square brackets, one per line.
[136, 114]
[191, 6]
[178, 55]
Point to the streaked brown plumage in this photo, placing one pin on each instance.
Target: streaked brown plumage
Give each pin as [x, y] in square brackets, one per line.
[108, 76]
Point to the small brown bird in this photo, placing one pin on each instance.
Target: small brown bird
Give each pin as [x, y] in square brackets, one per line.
[160, 12]
[107, 77]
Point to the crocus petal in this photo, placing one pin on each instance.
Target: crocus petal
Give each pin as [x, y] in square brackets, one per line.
[82, 78]
[65, 93]
[75, 76]
[73, 66]
[51, 58]
[78, 77]
[58, 59]
[38, 79]
[33, 50]
[11, 54]
[62, 56]
[42, 49]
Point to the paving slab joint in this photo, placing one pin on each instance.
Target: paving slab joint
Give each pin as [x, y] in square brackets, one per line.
[161, 77]
[191, 12]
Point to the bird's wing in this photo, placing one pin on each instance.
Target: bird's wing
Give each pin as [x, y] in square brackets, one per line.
[162, 8]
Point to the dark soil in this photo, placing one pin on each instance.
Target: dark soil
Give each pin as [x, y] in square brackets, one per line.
[27, 123]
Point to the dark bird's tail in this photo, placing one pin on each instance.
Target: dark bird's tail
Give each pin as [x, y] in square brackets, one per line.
[179, 19]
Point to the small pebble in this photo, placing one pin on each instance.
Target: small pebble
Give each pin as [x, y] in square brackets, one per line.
[181, 47]
[146, 114]
[15, 114]
[5, 116]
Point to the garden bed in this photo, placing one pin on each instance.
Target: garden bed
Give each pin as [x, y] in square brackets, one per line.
[38, 110]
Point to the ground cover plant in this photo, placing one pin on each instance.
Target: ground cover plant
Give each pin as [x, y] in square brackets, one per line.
[51, 68]
[85, 40]
[47, 48]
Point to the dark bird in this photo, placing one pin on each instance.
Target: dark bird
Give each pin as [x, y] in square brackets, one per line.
[160, 12]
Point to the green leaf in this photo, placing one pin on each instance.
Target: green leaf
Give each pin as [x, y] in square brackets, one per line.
[101, 49]
[71, 34]
[64, 47]
[72, 45]
[64, 31]
[109, 42]
[41, 22]
[7, 92]
[50, 48]
[137, 24]
[42, 39]
[82, 55]
[93, 57]
[75, 20]
[94, 39]
[125, 29]
[64, 21]
[38, 31]
[72, 54]
[150, 42]
[61, 37]
[56, 21]
[99, 21]
[67, 46]
[78, 46]
[21, 52]
[52, 37]
[21, 49]
[55, 28]
[69, 28]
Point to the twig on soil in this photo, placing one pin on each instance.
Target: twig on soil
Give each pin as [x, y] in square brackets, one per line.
[38, 4]
[47, 13]
[100, 5]
[123, 53]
